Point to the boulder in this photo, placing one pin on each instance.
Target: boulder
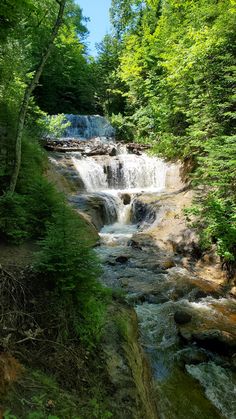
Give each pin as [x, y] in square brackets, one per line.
[191, 356]
[182, 317]
[233, 361]
[134, 244]
[168, 263]
[122, 259]
[142, 212]
[218, 341]
[113, 152]
[215, 340]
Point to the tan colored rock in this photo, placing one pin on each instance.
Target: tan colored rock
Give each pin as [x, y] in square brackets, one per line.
[168, 263]
[174, 181]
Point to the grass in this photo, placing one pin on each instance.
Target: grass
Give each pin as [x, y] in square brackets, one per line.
[37, 395]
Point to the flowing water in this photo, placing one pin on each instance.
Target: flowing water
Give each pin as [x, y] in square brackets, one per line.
[124, 173]
[88, 126]
[114, 178]
[190, 381]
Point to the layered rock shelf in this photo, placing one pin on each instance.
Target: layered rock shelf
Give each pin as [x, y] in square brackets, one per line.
[92, 147]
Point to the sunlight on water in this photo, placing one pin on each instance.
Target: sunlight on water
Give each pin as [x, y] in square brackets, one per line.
[117, 234]
[127, 172]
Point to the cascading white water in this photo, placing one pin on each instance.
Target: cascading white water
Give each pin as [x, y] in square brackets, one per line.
[111, 176]
[124, 214]
[110, 207]
[124, 172]
[138, 172]
[91, 173]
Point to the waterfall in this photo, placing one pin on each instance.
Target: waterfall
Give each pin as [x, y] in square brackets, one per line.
[124, 213]
[88, 126]
[133, 172]
[127, 172]
[110, 208]
[115, 180]
[91, 173]
[108, 174]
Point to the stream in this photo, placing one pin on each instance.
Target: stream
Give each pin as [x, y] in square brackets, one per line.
[193, 372]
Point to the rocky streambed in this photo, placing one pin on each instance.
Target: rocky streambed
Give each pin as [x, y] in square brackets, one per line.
[187, 322]
[185, 308]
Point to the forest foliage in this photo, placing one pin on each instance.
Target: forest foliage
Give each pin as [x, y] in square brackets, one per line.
[36, 211]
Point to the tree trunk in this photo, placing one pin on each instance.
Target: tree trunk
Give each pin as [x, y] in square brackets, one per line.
[28, 91]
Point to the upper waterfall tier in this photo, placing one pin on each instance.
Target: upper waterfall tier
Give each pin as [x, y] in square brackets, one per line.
[88, 126]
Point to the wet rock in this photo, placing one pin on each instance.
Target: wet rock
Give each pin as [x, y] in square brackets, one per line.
[95, 206]
[216, 340]
[177, 293]
[110, 263]
[168, 263]
[113, 152]
[124, 282]
[159, 270]
[142, 212]
[136, 297]
[156, 299]
[122, 259]
[233, 292]
[126, 198]
[140, 298]
[191, 356]
[200, 294]
[233, 362]
[137, 148]
[182, 317]
[134, 244]
[152, 299]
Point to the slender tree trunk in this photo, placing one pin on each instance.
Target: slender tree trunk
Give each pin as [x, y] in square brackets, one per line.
[28, 91]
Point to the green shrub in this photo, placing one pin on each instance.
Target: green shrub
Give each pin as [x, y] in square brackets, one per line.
[72, 268]
[124, 127]
[14, 225]
[220, 226]
[66, 254]
[215, 221]
[43, 200]
[52, 125]
[25, 213]
[33, 165]
[91, 315]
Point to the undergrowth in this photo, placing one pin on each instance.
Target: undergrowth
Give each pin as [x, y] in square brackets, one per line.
[37, 395]
[55, 308]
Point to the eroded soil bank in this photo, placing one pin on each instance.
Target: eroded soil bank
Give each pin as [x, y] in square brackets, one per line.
[43, 377]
